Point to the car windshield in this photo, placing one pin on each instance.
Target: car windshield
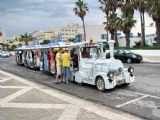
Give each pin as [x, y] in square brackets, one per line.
[128, 51]
[5, 52]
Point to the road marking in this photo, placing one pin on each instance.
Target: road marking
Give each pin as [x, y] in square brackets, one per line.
[34, 105]
[16, 94]
[3, 87]
[70, 113]
[5, 79]
[143, 94]
[131, 101]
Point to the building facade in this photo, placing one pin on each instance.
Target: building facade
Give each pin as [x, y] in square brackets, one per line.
[97, 33]
[2, 36]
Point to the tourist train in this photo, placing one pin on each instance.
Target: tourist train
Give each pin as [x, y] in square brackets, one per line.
[91, 68]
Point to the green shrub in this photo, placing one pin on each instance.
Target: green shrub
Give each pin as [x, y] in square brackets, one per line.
[45, 42]
[157, 39]
[137, 44]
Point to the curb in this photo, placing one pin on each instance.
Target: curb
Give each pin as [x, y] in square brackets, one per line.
[145, 60]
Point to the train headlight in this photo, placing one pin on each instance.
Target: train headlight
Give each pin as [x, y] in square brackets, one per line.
[110, 74]
[131, 69]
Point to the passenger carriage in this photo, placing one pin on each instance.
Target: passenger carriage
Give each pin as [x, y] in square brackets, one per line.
[90, 66]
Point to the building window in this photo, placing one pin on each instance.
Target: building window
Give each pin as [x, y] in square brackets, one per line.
[103, 36]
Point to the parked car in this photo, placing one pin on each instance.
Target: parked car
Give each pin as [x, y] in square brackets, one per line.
[4, 54]
[126, 56]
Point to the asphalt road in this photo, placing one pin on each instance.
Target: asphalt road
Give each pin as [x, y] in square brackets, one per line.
[141, 98]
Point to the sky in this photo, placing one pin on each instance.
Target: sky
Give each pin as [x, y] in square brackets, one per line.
[20, 16]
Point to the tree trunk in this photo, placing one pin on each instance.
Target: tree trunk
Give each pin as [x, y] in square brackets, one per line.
[107, 29]
[107, 36]
[158, 30]
[116, 39]
[26, 42]
[142, 30]
[112, 34]
[84, 30]
[127, 39]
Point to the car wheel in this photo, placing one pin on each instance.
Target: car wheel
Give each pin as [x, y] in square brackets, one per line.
[129, 60]
[100, 84]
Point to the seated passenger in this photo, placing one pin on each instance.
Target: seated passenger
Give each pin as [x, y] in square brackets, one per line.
[85, 53]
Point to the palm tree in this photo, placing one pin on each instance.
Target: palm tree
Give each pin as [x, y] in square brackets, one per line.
[127, 7]
[80, 10]
[1, 34]
[111, 26]
[141, 6]
[105, 8]
[26, 38]
[109, 8]
[125, 24]
[154, 12]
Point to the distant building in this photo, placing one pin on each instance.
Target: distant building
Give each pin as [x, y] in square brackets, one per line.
[2, 36]
[38, 36]
[97, 33]
[68, 32]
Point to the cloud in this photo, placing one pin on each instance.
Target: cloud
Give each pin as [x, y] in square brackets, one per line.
[20, 16]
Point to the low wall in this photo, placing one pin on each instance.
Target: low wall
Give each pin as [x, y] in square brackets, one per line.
[155, 53]
[147, 52]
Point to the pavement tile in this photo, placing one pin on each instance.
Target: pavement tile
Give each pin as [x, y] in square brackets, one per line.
[12, 82]
[4, 92]
[36, 96]
[29, 114]
[3, 76]
[87, 115]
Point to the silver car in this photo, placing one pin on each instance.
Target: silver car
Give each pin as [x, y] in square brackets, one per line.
[4, 54]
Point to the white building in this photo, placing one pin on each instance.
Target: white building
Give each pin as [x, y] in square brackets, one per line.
[38, 36]
[97, 32]
[2, 36]
[68, 32]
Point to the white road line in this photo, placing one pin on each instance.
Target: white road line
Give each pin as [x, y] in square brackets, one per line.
[34, 105]
[154, 96]
[14, 95]
[70, 113]
[143, 94]
[131, 101]
[5, 79]
[13, 87]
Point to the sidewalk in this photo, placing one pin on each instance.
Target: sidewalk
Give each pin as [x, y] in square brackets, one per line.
[151, 59]
[23, 99]
[149, 56]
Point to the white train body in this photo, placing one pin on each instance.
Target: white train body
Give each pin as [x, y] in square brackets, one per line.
[93, 69]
